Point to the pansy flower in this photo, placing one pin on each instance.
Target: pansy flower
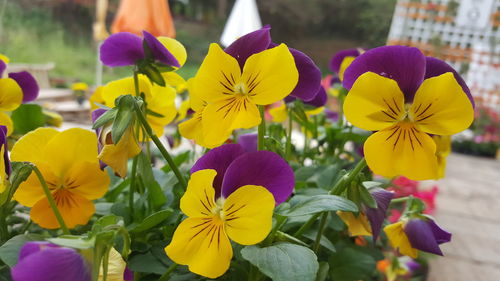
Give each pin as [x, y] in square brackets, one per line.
[404, 96]
[342, 59]
[369, 221]
[415, 234]
[43, 261]
[231, 196]
[19, 87]
[124, 48]
[73, 177]
[4, 163]
[160, 101]
[115, 155]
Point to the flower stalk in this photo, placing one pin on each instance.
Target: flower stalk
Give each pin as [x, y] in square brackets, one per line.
[261, 129]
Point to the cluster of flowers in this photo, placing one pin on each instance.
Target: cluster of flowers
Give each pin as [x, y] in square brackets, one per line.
[235, 189]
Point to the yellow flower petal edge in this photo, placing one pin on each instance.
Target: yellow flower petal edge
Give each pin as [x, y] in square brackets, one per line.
[279, 113]
[12, 95]
[344, 65]
[7, 122]
[374, 111]
[357, 225]
[441, 107]
[116, 155]
[398, 239]
[175, 48]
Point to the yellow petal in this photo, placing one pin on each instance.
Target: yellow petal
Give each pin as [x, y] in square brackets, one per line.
[402, 150]
[193, 129]
[125, 86]
[175, 80]
[97, 98]
[270, 75]
[4, 58]
[12, 95]
[374, 102]
[175, 48]
[357, 225]
[75, 210]
[219, 119]
[344, 65]
[202, 244]
[116, 156]
[162, 101]
[183, 109]
[398, 239]
[217, 75]
[3, 175]
[30, 147]
[87, 180]
[199, 198]
[279, 113]
[441, 107]
[7, 122]
[315, 111]
[77, 145]
[116, 267]
[30, 191]
[248, 214]
[196, 101]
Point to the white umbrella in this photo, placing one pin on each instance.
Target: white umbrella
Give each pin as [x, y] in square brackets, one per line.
[244, 18]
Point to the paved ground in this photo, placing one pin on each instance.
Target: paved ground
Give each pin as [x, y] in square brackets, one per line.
[469, 206]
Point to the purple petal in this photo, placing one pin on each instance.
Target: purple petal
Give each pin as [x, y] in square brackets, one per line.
[249, 44]
[3, 66]
[441, 235]
[27, 83]
[121, 49]
[436, 67]
[333, 116]
[3, 143]
[128, 275]
[34, 247]
[404, 64]
[159, 51]
[262, 168]
[421, 237]
[319, 99]
[248, 142]
[337, 59]
[413, 266]
[376, 216]
[218, 159]
[309, 76]
[49, 263]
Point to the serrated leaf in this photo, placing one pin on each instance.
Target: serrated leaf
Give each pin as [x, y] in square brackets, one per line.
[283, 261]
[153, 220]
[320, 203]
[9, 252]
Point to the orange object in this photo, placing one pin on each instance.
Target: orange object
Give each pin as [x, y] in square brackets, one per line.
[151, 15]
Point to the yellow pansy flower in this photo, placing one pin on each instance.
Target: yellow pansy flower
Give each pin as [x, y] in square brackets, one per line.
[96, 98]
[202, 240]
[11, 97]
[356, 225]
[233, 93]
[69, 165]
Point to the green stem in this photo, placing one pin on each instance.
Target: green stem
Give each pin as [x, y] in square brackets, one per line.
[132, 185]
[262, 128]
[136, 83]
[160, 146]
[4, 232]
[322, 223]
[339, 187]
[340, 121]
[280, 222]
[289, 136]
[400, 200]
[166, 275]
[52, 203]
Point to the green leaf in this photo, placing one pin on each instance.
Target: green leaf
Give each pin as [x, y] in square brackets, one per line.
[371, 184]
[9, 252]
[283, 261]
[103, 208]
[319, 203]
[311, 235]
[351, 265]
[366, 197]
[155, 195]
[146, 263]
[153, 220]
[27, 117]
[124, 116]
[76, 242]
[152, 113]
[324, 267]
[106, 117]
[178, 160]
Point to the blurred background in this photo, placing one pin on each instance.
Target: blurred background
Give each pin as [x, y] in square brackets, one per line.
[57, 40]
